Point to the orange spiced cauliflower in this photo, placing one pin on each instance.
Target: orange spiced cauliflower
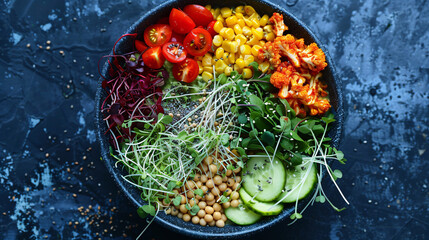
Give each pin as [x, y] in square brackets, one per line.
[279, 25]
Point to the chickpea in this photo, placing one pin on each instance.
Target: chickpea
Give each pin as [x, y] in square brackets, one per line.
[183, 201]
[237, 170]
[195, 220]
[204, 188]
[186, 217]
[199, 184]
[174, 212]
[203, 222]
[190, 185]
[168, 211]
[228, 172]
[202, 204]
[183, 209]
[164, 202]
[222, 187]
[212, 223]
[224, 179]
[197, 177]
[203, 178]
[215, 191]
[176, 192]
[236, 186]
[226, 205]
[209, 197]
[220, 223]
[210, 203]
[213, 169]
[198, 197]
[217, 216]
[208, 160]
[238, 179]
[201, 213]
[224, 218]
[209, 210]
[204, 167]
[180, 215]
[227, 192]
[235, 195]
[190, 194]
[220, 169]
[235, 203]
[230, 182]
[217, 207]
[217, 180]
[210, 183]
[192, 202]
[208, 217]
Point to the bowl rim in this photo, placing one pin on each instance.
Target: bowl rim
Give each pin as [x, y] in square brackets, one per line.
[109, 162]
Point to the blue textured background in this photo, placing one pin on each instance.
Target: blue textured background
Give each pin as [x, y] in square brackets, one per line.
[49, 159]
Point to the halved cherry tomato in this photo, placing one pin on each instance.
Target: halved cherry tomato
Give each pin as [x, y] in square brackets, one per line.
[186, 71]
[174, 52]
[177, 38]
[157, 35]
[180, 22]
[198, 42]
[140, 46]
[210, 28]
[199, 14]
[153, 57]
[163, 20]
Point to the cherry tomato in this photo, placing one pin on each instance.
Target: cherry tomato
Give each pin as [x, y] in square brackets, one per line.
[174, 52]
[177, 38]
[140, 46]
[180, 22]
[153, 57]
[198, 42]
[157, 35]
[210, 29]
[186, 71]
[201, 15]
[163, 20]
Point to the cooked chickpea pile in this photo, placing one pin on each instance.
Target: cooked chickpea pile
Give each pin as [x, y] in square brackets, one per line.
[241, 33]
[215, 181]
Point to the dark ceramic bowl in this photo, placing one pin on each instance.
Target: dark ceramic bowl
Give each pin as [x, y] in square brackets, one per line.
[299, 30]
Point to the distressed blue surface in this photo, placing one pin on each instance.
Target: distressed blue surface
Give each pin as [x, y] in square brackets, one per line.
[48, 133]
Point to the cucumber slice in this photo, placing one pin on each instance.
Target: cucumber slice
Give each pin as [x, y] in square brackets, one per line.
[263, 208]
[294, 188]
[263, 179]
[242, 215]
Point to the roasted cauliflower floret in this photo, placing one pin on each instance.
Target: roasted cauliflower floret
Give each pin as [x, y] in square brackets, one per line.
[313, 58]
[279, 25]
[270, 52]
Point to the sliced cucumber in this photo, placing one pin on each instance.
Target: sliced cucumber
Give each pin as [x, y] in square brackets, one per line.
[263, 208]
[296, 188]
[264, 179]
[242, 215]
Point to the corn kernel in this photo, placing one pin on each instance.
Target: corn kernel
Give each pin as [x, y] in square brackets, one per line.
[238, 69]
[264, 66]
[237, 29]
[239, 9]
[240, 63]
[231, 58]
[219, 52]
[247, 31]
[200, 67]
[239, 15]
[217, 40]
[207, 69]
[207, 60]
[229, 34]
[226, 45]
[264, 20]
[218, 26]
[253, 41]
[247, 73]
[216, 13]
[207, 76]
[209, 7]
[231, 21]
[245, 49]
[268, 28]
[225, 55]
[228, 71]
[241, 39]
[270, 36]
[262, 43]
[255, 50]
[255, 23]
[226, 12]
[234, 47]
[220, 18]
[220, 66]
[241, 22]
[249, 10]
[248, 22]
[258, 33]
[248, 59]
[222, 32]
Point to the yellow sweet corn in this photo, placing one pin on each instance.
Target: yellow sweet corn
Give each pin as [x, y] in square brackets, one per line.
[245, 49]
[207, 76]
[264, 20]
[216, 13]
[219, 52]
[225, 12]
[258, 33]
[249, 10]
[248, 59]
[231, 58]
[218, 26]
[208, 69]
[264, 66]
[247, 73]
[247, 31]
[220, 18]
[220, 66]
[231, 21]
[200, 67]
[241, 22]
[239, 9]
[240, 63]
[209, 7]
[241, 39]
[228, 71]
[207, 60]
[270, 36]
[229, 34]
[237, 29]
[255, 50]
[217, 40]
